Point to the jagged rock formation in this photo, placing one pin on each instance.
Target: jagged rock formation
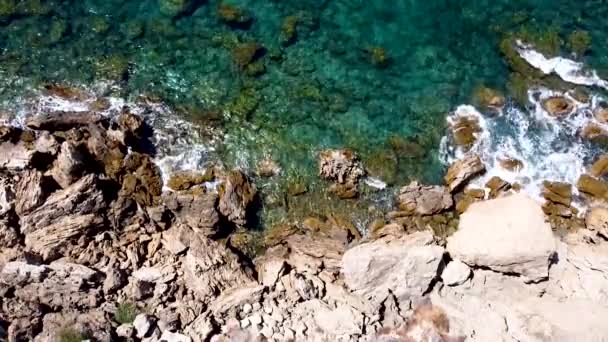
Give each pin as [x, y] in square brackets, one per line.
[93, 247]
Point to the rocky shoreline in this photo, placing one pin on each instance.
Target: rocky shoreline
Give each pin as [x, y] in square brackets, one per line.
[96, 247]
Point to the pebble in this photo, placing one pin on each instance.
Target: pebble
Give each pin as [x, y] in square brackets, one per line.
[267, 331]
[268, 309]
[247, 308]
[256, 306]
[255, 319]
[290, 335]
[245, 323]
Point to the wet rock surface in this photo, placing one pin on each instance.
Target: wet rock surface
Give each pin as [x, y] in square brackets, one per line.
[99, 250]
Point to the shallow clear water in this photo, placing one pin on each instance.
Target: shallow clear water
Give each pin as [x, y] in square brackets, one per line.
[377, 76]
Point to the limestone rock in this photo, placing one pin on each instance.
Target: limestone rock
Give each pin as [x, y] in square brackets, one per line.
[62, 121]
[508, 234]
[344, 320]
[312, 254]
[143, 181]
[59, 285]
[66, 216]
[424, 199]
[125, 330]
[593, 186]
[558, 192]
[168, 336]
[91, 323]
[175, 239]
[7, 196]
[405, 266]
[463, 170]
[30, 191]
[196, 210]
[210, 268]
[236, 194]
[271, 265]
[68, 166]
[15, 156]
[143, 325]
[200, 329]
[341, 166]
[455, 273]
[597, 220]
[235, 298]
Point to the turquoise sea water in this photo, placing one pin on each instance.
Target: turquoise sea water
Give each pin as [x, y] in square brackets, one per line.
[376, 76]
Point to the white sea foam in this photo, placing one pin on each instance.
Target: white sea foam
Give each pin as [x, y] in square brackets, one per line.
[550, 148]
[567, 69]
[179, 144]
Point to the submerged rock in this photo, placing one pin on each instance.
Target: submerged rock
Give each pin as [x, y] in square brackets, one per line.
[508, 234]
[173, 8]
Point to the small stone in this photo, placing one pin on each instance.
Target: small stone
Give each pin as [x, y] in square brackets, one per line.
[125, 330]
[143, 325]
[267, 331]
[245, 323]
[255, 319]
[257, 306]
[600, 167]
[463, 170]
[247, 308]
[290, 335]
[169, 336]
[268, 309]
[456, 273]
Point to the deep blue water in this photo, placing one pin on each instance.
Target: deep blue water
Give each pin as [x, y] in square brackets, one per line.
[376, 76]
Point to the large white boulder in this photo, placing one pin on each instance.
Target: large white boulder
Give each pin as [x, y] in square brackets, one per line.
[508, 235]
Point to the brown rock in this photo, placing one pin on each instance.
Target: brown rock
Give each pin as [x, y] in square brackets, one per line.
[464, 131]
[463, 170]
[236, 193]
[558, 192]
[65, 217]
[69, 165]
[597, 220]
[592, 186]
[344, 191]
[594, 132]
[15, 156]
[184, 180]
[143, 181]
[600, 167]
[497, 186]
[62, 121]
[511, 164]
[210, 268]
[424, 199]
[489, 98]
[342, 166]
[558, 106]
[601, 115]
[268, 168]
[196, 210]
[30, 192]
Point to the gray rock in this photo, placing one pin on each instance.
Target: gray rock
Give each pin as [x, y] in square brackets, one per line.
[168, 336]
[508, 234]
[144, 325]
[15, 156]
[405, 266]
[341, 166]
[211, 268]
[455, 273]
[30, 191]
[62, 121]
[7, 196]
[196, 211]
